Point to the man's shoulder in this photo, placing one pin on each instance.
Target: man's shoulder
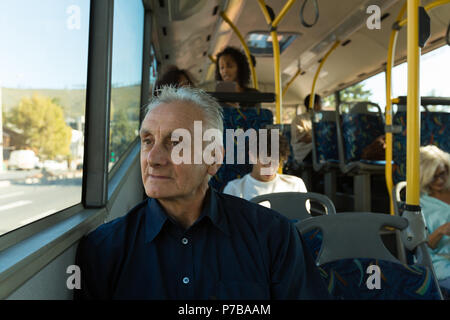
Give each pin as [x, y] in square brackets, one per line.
[116, 229]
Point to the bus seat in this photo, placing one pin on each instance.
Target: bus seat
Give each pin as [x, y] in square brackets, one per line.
[437, 130]
[293, 205]
[360, 124]
[352, 243]
[434, 130]
[324, 136]
[235, 118]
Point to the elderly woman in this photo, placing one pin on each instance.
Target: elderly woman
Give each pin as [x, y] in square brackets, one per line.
[435, 203]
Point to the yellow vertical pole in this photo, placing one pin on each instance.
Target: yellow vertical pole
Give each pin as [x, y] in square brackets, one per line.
[286, 87]
[277, 75]
[388, 112]
[276, 52]
[413, 102]
[244, 45]
[311, 99]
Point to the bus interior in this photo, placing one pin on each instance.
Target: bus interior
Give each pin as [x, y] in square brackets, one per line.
[92, 66]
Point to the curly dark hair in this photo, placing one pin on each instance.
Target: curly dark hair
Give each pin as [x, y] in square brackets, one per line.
[243, 75]
[172, 77]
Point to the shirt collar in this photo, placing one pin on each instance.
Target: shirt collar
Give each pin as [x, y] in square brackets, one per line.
[156, 216]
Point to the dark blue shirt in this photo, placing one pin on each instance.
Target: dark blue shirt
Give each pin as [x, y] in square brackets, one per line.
[235, 250]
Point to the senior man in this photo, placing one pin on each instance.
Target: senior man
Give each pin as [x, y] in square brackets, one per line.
[187, 241]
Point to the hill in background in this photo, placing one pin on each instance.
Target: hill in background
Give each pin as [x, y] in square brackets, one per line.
[73, 101]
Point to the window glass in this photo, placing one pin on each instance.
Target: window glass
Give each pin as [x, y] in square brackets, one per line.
[434, 68]
[126, 76]
[372, 89]
[42, 102]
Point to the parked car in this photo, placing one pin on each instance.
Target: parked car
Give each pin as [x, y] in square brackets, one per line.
[23, 159]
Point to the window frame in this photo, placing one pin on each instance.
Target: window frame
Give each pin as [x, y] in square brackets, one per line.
[28, 249]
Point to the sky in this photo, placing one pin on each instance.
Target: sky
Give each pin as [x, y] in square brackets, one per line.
[434, 78]
[44, 44]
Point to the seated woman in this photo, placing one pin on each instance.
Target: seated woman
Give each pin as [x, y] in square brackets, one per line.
[435, 203]
[174, 76]
[263, 178]
[232, 66]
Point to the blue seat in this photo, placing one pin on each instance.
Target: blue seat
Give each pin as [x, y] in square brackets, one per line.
[324, 136]
[352, 243]
[234, 118]
[360, 123]
[434, 129]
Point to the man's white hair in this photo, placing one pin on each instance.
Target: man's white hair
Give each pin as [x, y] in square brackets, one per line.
[212, 111]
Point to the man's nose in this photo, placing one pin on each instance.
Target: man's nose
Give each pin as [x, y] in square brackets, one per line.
[158, 155]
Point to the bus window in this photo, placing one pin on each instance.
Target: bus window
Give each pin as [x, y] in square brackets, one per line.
[126, 76]
[372, 89]
[434, 68]
[42, 103]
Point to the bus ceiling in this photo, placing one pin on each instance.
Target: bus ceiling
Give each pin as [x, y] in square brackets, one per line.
[187, 33]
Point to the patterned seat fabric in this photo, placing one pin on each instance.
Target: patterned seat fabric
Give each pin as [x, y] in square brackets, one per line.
[359, 130]
[346, 279]
[325, 136]
[244, 119]
[434, 129]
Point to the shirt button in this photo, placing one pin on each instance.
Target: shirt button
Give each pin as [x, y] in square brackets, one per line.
[184, 241]
[185, 280]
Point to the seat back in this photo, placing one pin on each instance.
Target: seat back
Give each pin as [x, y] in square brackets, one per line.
[235, 118]
[361, 123]
[352, 247]
[324, 137]
[293, 205]
[434, 129]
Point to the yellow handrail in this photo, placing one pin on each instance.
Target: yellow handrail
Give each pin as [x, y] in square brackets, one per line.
[244, 45]
[388, 112]
[276, 51]
[412, 106]
[427, 8]
[286, 87]
[276, 55]
[311, 97]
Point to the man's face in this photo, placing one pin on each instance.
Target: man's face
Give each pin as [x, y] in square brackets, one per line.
[162, 178]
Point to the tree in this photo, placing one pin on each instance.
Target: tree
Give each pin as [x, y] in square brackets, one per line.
[122, 132]
[355, 93]
[42, 128]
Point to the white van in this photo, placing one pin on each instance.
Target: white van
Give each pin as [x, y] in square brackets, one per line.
[23, 159]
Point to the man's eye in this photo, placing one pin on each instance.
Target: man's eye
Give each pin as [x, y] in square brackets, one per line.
[147, 141]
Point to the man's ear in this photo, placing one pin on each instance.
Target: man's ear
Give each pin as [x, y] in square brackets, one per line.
[218, 154]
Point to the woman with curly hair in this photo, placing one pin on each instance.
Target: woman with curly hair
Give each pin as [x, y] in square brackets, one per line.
[435, 203]
[232, 66]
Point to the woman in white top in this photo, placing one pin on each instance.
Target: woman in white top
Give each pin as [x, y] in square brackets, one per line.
[435, 203]
[263, 178]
